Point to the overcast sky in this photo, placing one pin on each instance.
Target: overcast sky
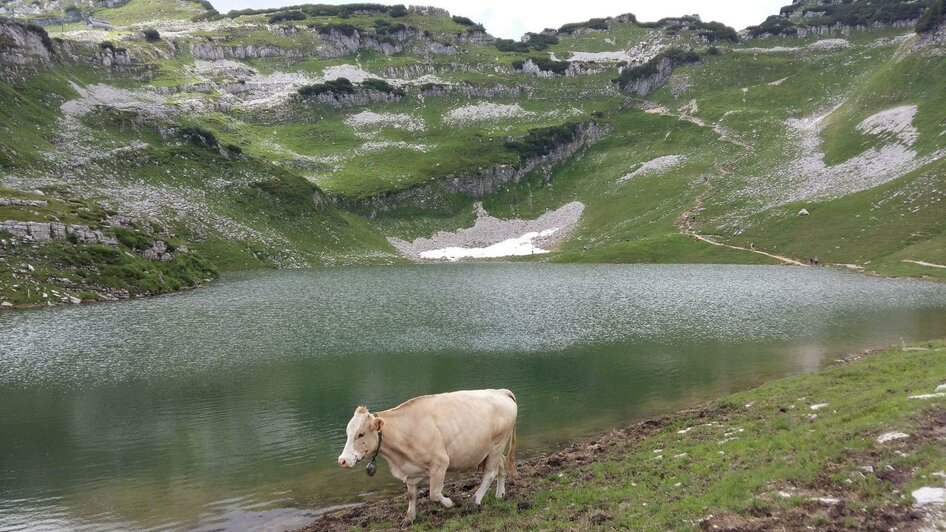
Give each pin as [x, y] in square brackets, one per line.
[511, 18]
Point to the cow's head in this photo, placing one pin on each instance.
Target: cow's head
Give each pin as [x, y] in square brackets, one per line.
[363, 438]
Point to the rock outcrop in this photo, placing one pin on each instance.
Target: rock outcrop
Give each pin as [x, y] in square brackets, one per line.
[46, 231]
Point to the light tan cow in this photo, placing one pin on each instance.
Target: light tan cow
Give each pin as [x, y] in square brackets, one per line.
[429, 435]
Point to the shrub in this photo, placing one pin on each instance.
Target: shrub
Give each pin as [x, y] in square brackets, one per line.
[542, 141]
[594, 24]
[463, 21]
[198, 136]
[337, 86]
[544, 63]
[381, 86]
[152, 35]
[536, 41]
[384, 27]
[283, 16]
[676, 57]
[345, 29]
[234, 149]
[930, 18]
[110, 46]
[509, 45]
[398, 11]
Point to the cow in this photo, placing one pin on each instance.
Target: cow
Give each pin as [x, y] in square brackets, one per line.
[429, 435]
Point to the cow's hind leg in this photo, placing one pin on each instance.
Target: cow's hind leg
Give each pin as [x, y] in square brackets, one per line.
[500, 479]
[437, 474]
[493, 463]
[411, 501]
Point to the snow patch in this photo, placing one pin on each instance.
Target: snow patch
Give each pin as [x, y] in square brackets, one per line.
[513, 247]
[490, 237]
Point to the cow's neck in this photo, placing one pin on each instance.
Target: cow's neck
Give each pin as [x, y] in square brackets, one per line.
[393, 445]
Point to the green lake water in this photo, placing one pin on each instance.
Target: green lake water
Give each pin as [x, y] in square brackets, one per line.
[225, 407]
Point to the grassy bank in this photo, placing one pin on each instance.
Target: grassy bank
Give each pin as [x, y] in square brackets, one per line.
[798, 452]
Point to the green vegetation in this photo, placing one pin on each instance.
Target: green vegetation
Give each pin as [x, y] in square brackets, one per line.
[760, 459]
[931, 18]
[152, 35]
[248, 176]
[852, 13]
[673, 57]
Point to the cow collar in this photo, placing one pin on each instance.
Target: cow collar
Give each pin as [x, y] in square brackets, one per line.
[373, 464]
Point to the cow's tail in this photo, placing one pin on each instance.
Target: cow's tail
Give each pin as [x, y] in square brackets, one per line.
[511, 459]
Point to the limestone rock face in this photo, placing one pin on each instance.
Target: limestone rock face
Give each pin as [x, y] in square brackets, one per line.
[46, 231]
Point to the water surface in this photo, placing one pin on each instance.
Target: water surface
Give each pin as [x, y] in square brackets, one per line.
[225, 407]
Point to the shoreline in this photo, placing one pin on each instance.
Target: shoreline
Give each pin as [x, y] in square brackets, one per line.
[497, 260]
[561, 481]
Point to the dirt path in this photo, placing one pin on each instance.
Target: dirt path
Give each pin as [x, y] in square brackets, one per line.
[688, 220]
[922, 263]
[784, 259]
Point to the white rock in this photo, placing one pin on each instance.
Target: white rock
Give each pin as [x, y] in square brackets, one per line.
[929, 496]
[890, 436]
[928, 396]
[827, 500]
[819, 406]
[940, 388]
[6, 304]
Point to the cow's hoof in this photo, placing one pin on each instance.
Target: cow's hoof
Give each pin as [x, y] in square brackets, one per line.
[446, 502]
[470, 508]
[407, 522]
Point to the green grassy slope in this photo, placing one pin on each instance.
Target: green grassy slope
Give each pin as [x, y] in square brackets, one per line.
[294, 181]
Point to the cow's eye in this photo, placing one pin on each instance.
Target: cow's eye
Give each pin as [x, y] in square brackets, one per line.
[362, 435]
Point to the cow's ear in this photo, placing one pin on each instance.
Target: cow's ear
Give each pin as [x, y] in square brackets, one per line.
[378, 423]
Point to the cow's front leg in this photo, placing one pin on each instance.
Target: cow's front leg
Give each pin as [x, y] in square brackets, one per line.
[411, 502]
[437, 474]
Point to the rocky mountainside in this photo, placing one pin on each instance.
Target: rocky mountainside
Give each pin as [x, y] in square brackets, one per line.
[166, 141]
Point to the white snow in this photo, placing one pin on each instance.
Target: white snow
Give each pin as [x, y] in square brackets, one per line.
[513, 247]
[490, 237]
[890, 436]
[654, 166]
[928, 496]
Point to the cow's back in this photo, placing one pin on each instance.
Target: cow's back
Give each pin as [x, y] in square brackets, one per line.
[469, 422]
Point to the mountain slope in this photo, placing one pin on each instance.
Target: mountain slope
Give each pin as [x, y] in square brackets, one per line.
[317, 134]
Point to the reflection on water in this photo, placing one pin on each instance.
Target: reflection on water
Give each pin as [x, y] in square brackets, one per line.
[225, 407]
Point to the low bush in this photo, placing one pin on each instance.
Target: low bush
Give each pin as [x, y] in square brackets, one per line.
[284, 16]
[336, 87]
[676, 57]
[381, 85]
[542, 141]
[199, 136]
[544, 63]
[152, 35]
[931, 18]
